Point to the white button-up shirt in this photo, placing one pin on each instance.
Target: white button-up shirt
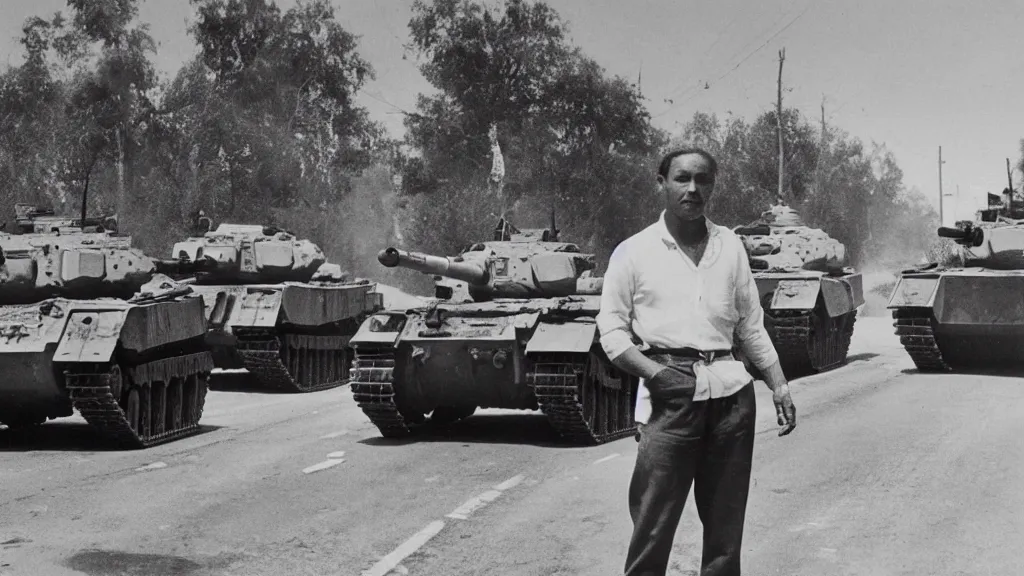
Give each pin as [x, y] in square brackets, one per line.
[653, 290]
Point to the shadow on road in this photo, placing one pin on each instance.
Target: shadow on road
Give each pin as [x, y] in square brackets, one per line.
[58, 436]
[862, 357]
[517, 429]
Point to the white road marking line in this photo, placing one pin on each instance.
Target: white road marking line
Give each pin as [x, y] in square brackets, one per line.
[340, 454]
[477, 502]
[153, 466]
[607, 458]
[473, 504]
[510, 483]
[334, 434]
[323, 465]
[389, 562]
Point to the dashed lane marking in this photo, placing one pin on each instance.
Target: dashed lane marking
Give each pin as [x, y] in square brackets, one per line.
[153, 466]
[334, 434]
[323, 465]
[607, 458]
[410, 546]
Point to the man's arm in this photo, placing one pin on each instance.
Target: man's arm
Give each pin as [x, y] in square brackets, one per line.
[615, 318]
[757, 345]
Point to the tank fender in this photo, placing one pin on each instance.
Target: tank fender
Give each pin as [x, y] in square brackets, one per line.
[840, 295]
[914, 292]
[90, 336]
[796, 295]
[573, 336]
[382, 328]
[257, 308]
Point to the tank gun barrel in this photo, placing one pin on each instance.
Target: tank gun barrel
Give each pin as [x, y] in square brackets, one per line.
[455, 268]
[183, 267]
[966, 236]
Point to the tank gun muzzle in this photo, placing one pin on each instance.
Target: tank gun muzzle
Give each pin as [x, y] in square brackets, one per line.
[966, 236]
[456, 268]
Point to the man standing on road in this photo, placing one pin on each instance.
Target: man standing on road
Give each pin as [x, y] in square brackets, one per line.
[683, 285]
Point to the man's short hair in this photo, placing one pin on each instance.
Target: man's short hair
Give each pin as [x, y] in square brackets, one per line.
[666, 161]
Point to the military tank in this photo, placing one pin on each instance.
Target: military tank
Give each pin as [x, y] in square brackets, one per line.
[809, 296]
[275, 307]
[89, 323]
[968, 313]
[34, 219]
[524, 337]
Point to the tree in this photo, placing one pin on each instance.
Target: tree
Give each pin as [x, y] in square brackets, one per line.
[272, 98]
[572, 138]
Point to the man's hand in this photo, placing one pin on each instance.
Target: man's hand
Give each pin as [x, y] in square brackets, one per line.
[784, 408]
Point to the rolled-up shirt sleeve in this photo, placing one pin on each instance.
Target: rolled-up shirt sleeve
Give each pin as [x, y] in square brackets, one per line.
[614, 320]
[750, 330]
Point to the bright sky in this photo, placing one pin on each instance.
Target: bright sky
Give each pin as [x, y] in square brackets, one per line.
[913, 75]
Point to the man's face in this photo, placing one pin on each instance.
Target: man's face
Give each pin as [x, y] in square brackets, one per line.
[688, 187]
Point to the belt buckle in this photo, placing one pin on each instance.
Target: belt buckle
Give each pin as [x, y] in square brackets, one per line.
[707, 357]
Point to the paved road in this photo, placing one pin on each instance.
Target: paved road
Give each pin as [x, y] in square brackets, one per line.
[889, 472]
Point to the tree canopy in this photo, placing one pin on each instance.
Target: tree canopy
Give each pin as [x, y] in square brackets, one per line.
[263, 126]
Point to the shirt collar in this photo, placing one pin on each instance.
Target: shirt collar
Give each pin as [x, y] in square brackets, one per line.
[667, 238]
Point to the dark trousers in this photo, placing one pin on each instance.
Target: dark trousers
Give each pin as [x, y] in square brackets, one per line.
[709, 444]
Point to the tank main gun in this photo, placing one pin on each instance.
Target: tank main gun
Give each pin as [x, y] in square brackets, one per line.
[473, 272]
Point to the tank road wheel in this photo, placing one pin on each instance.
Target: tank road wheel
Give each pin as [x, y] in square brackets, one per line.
[297, 362]
[586, 398]
[160, 401]
[915, 327]
[372, 383]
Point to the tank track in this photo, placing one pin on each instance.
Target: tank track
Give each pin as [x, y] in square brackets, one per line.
[795, 343]
[305, 363]
[914, 327]
[559, 382]
[372, 383]
[96, 390]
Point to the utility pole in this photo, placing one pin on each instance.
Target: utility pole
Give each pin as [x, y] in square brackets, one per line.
[778, 117]
[941, 219]
[1009, 197]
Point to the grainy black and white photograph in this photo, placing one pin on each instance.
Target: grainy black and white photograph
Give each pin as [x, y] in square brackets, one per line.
[511, 288]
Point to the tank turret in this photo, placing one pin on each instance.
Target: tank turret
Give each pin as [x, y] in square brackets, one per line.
[779, 240]
[34, 219]
[248, 254]
[78, 265]
[522, 268]
[997, 245]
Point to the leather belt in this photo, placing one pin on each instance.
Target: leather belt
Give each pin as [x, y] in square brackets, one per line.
[687, 352]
